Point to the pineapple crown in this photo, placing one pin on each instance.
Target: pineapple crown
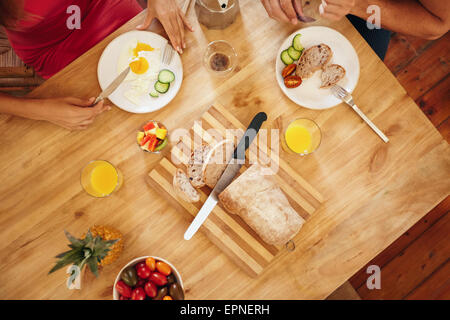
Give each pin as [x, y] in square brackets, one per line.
[88, 250]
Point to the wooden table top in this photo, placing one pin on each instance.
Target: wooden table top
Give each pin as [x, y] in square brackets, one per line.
[373, 191]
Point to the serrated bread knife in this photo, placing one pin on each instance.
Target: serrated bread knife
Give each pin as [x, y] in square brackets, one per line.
[228, 175]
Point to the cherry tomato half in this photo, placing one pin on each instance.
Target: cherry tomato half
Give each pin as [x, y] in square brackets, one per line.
[292, 81]
[288, 70]
[167, 298]
[158, 278]
[163, 268]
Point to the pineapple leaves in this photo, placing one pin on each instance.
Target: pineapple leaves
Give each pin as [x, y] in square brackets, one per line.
[93, 265]
[74, 241]
[89, 250]
[69, 257]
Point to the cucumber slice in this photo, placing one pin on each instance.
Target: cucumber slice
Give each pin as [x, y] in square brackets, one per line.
[294, 54]
[154, 94]
[162, 87]
[296, 42]
[166, 76]
[286, 58]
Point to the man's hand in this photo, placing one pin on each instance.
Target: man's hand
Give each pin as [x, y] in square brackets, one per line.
[70, 113]
[172, 19]
[336, 9]
[283, 10]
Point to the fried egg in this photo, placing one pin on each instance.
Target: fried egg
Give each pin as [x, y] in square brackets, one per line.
[145, 63]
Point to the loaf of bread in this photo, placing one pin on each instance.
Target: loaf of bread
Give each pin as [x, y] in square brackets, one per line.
[258, 200]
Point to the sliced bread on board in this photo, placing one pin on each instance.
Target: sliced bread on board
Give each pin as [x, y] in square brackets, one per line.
[195, 165]
[183, 187]
[216, 162]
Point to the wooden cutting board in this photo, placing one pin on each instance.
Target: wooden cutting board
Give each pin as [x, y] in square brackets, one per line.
[229, 232]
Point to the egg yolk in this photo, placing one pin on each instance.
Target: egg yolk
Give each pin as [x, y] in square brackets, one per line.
[141, 47]
[139, 66]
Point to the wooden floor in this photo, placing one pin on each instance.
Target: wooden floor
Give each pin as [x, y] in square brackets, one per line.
[416, 266]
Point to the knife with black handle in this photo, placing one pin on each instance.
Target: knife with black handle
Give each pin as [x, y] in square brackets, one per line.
[228, 175]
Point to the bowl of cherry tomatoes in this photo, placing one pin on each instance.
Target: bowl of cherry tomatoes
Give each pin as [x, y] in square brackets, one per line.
[148, 278]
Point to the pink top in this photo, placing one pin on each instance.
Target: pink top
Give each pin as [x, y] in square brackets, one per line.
[43, 40]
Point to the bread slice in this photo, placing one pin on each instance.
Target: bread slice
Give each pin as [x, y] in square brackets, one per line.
[259, 201]
[195, 165]
[183, 187]
[313, 59]
[332, 74]
[216, 162]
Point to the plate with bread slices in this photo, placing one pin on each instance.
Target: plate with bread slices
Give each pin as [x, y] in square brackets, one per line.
[312, 60]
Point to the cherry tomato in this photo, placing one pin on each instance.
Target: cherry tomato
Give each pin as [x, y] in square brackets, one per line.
[150, 289]
[123, 298]
[144, 272]
[138, 294]
[158, 279]
[123, 289]
[163, 268]
[167, 298]
[140, 265]
[150, 262]
[140, 283]
[288, 70]
[292, 81]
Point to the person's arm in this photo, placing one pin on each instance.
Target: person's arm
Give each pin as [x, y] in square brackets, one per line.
[70, 113]
[172, 19]
[429, 19]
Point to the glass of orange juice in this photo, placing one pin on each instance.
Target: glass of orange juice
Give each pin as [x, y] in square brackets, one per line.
[100, 178]
[302, 136]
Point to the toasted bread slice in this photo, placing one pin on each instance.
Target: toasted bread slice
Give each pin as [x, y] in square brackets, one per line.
[332, 74]
[183, 187]
[313, 59]
[195, 165]
[216, 162]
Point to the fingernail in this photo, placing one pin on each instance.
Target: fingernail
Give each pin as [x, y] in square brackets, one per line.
[139, 26]
[108, 108]
[294, 21]
[184, 45]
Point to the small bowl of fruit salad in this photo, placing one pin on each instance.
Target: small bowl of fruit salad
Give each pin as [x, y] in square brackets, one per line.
[148, 278]
[152, 137]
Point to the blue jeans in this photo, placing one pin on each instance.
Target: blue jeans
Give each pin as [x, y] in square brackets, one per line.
[378, 39]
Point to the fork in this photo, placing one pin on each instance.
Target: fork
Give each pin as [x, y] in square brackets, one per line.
[168, 49]
[345, 96]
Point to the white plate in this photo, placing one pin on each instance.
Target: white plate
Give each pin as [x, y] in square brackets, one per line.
[309, 94]
[107, 72]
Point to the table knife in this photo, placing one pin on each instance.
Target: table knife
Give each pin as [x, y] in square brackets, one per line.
[228, 175]
[112, 87]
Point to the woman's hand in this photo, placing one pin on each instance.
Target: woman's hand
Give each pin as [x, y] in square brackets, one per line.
[336, 9]
[172, 19]
[70, 113]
